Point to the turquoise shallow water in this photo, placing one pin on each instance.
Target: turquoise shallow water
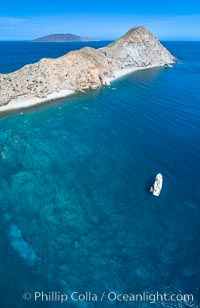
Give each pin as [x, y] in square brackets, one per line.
[76, 213]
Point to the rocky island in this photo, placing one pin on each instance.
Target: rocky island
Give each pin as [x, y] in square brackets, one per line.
[87, 68]
[68, 37]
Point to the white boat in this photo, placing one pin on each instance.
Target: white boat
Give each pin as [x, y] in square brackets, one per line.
[157, 186]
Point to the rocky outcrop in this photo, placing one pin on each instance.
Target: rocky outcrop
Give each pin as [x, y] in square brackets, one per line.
[87, 68]
[137, 48]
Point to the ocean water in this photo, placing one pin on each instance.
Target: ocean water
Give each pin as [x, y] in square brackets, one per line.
[76, 213]
[15, 54]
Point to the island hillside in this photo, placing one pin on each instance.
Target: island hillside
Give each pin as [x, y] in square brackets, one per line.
[87, 68]
[68, 37]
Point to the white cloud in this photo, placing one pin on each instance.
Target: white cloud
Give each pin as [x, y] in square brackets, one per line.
[11, 21]
[100, 26]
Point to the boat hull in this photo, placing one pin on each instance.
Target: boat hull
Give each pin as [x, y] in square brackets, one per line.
[157, 186]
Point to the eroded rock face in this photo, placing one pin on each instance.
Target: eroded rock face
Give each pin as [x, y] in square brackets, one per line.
[137, 48]
[87, 68]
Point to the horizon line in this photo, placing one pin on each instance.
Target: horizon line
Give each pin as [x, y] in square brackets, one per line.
[96, 40]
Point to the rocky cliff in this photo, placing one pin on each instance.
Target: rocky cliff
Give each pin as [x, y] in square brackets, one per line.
[87, 68]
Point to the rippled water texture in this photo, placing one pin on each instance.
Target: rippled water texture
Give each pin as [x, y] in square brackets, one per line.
[76, 213]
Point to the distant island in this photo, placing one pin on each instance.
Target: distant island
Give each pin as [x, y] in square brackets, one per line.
[68, 37]
[79, 70]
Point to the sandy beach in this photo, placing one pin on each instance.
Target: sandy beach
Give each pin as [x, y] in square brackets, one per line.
[88, 68]
[19, 103]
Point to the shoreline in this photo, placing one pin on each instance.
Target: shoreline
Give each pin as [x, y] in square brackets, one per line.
[18, 104]
[126, 71]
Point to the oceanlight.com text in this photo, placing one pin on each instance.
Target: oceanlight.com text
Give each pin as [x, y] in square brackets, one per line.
[152, 298]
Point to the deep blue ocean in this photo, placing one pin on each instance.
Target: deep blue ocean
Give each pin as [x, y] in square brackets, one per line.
[76, 214]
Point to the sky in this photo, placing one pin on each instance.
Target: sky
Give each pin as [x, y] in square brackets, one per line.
[99, 19]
